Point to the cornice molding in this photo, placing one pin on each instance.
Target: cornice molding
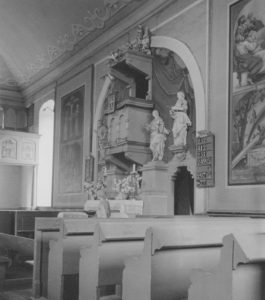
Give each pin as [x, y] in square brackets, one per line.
[94, 21]
[9, 96]
[46, 93]
[143, 12]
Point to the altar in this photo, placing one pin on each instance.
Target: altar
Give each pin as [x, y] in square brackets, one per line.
[119, 208]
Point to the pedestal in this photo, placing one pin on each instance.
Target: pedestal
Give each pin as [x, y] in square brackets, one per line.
[155, 185]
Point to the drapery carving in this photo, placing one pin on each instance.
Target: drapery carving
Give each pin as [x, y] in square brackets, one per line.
[168, 78]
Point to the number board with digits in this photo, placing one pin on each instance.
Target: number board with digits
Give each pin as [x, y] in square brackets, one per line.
[205, 160]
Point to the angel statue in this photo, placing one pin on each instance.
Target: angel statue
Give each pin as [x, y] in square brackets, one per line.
[158, 134]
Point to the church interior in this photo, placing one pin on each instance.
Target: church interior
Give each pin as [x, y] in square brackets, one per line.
[132, 150]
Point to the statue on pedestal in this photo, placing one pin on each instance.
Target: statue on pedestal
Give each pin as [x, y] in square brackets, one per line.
[181, 120]
[158, 134]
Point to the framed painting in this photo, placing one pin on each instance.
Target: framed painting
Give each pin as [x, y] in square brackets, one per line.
[247, 93]
[89, 168]
[71, 142]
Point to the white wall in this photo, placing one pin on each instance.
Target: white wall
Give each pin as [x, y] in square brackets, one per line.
[10, 186]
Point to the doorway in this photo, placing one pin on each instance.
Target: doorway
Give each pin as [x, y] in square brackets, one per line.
[183, 192]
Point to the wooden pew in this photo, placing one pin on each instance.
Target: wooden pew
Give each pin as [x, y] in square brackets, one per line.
[63, 262]
[101, 265]
[52, 228]
[239, 275]
[113, 244]
[64, 254]
[46, 229]
[170, 254]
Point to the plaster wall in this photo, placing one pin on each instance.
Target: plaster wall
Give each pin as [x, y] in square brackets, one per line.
[27, 186]
[10, 186]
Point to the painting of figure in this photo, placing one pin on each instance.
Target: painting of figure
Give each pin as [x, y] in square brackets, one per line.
[247, 93]
[71, 142]
[72, 119]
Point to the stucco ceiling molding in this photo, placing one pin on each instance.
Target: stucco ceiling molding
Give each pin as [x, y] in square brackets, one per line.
[92, 21]
[8, 82]
[134, 13]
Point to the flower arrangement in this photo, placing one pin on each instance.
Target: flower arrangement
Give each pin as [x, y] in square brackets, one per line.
[128, 187]
[95, 190]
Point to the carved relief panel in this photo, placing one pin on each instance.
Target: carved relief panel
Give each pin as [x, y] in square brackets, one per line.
[18, 147]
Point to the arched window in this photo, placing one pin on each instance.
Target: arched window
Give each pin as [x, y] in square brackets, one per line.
[46, 131]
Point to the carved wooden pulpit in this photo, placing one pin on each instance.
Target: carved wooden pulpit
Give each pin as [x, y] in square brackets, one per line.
[122, 137]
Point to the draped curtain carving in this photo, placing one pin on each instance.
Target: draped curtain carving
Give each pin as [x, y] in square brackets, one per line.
[169, 78]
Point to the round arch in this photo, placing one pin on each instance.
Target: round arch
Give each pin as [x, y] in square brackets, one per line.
[186, 55]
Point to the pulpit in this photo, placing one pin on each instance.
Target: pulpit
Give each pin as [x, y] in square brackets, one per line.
[122, 137]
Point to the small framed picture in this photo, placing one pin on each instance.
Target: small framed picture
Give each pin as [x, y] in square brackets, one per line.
[89, 168]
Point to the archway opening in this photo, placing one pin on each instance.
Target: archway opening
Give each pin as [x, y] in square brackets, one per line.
[183, 192]
[179, 48]
[45, 167]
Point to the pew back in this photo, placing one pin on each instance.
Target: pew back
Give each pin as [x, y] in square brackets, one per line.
[239, 273]
[172, 251]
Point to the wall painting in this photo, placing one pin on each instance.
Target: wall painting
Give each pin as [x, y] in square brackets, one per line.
[71, 141]
[247, 93]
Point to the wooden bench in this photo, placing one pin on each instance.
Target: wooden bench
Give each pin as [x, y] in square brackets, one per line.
[64, 255]
[46, 229]
[63, 261]
[240, 273]
[101, 265]
[171, 253]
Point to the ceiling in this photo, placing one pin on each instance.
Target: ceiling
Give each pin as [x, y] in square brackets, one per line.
[35, 34]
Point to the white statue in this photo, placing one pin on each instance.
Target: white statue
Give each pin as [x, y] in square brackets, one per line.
[158, 134]
[181, 120]
[181, 103]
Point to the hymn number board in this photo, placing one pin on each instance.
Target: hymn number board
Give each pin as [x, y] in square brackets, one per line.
[205, 160]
